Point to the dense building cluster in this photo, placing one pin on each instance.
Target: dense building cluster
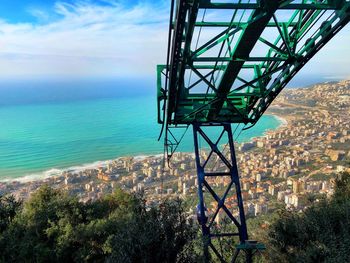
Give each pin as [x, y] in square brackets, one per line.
[286, 166]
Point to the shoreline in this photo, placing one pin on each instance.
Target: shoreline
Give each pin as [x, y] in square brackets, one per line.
[282, 120]
[56, 172]
[39, 176]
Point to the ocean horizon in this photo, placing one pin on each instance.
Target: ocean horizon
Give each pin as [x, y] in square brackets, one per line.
[47, 129]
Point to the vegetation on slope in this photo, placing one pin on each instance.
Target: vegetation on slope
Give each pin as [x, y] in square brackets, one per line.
[320, 234]
[54, 227]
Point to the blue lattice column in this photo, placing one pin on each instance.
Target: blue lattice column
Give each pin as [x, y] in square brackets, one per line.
[228, 160]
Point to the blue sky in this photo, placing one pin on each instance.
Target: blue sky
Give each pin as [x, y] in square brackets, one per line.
[104, 38]
[36, 11]
[109, 38]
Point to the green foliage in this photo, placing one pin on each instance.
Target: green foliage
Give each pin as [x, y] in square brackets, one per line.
[322, 176]
[320, 234]
[8, 209]
[342, 188]
[54, 227]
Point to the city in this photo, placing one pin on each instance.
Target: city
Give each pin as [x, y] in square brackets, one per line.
[286, 166]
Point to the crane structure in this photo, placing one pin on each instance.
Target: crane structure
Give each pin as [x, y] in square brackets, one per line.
[227, 61]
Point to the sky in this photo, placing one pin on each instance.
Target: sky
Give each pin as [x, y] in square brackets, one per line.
[110, 38]
[103, 38]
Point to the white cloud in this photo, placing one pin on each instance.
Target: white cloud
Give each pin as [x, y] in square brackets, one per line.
[88, 40]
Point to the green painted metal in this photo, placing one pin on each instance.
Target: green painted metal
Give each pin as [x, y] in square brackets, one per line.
[228, 61]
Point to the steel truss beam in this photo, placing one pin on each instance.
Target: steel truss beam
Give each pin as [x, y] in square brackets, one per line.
[231, 83]
[311, 5]
[229, 171]
[250, 36]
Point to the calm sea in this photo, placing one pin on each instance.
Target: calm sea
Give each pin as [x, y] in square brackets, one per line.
[56, 125]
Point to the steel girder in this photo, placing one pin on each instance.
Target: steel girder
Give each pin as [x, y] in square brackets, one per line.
[228, 61]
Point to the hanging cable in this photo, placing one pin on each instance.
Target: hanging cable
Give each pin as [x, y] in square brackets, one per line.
[166, 91]
[176, 144]
[199, 33]
[243, 128]
[167, 67]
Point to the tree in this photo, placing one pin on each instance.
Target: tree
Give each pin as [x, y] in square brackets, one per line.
[320, 234]
[54, 227]
[8, 209]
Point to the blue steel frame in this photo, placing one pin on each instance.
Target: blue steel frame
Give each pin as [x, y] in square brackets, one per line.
[231, 165]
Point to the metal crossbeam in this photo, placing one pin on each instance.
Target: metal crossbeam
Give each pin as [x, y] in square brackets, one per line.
[311, 5]
[244, 46]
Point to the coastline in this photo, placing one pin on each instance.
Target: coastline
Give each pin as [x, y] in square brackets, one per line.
[295, 143]
[74, 169]
[56, 172]
[284, 121]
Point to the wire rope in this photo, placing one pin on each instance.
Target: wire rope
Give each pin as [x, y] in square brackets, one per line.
[199, 33]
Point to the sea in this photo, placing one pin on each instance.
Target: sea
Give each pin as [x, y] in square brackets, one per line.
[47, 126]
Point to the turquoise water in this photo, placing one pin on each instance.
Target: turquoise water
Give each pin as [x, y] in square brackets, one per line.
[41, 136]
